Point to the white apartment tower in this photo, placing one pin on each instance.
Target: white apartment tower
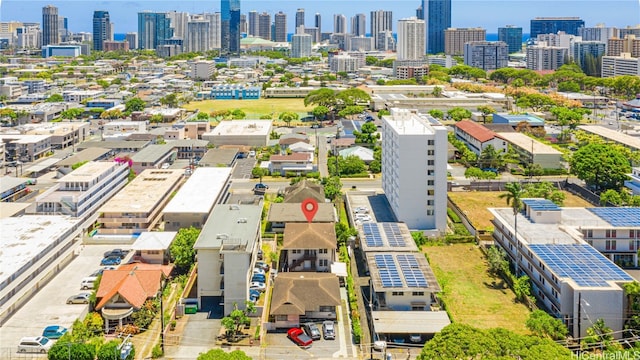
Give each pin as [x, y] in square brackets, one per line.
[381, 20]
[198, 35]
[301, 45]
[411, 39]
[215, 40]
[414, 169]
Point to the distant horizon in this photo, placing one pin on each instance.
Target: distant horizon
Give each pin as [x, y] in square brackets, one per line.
[489, 14]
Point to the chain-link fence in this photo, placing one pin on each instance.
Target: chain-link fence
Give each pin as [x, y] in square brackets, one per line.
[11, 353]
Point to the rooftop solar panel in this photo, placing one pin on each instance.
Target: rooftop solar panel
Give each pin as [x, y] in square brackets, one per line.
[413, 275]
[580, 262]
[619, 216]
[393, 234]
[540, 204]
[372, 235]
[389, 275]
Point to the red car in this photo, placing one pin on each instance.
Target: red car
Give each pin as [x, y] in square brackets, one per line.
[299, 337]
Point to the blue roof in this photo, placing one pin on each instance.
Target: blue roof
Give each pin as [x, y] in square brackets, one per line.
[515, 119]
[580, 262]
[540, 204]
[619, 216]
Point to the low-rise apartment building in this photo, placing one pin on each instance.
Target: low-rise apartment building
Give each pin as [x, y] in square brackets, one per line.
[25, 148]
[152, 157]
[477, 137]
[308, 247]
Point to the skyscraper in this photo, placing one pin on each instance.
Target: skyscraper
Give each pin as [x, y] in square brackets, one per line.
[486, 55]
[197, 39]
[244, 27]
[50, 34]
[264, 26]
[253, 23]
[551, 25]
[339, 24]
[101, 29]
[299, 19]
[420, 13]
[411, 42]
[301, 45]
[230, 25]
[179, 22]
[132, 39]
[381, 21]
[455, 38]
[153, 30]
[437, 18]
[214, 29]
[512, 35]
[358, 25]
[318, 25]
[280, 27]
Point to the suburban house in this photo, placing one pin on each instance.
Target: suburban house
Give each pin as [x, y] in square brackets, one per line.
[227, 250]
[289, 139]
[340, 144]
[281, 214]
[301, 163]
[360, 152]
[303, 190]
[477, 137]
[301, 147]
[308, 247]
[300, 296]
[124, 291]
[152, 247]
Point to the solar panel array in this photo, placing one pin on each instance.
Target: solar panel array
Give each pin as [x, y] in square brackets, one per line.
[619, 216]
[413, 275]
[540, 204]
[580, 262]
[372, 234]
[394, 236]
[389, 274]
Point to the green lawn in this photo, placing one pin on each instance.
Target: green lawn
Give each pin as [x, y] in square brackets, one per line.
[253, 108]
[469, 293]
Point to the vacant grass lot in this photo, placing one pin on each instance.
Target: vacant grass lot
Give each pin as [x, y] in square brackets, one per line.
[469, 292]
[253, 108]
[475, 204]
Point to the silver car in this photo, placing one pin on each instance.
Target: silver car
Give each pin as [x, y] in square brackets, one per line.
[328, 330]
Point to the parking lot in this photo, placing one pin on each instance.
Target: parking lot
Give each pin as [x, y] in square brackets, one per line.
[48, 306]
[243, 167]
[377, 204]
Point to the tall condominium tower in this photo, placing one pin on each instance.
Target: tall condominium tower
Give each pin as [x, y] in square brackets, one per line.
[50, 34]
[280, 27]
[214, 29]
[437, 18]
[179, 22]
[299, 19]
[411, 43]
[358, 25]
[512, 35]
[381, 21]
[153, 30]
[551, 25]
[253, 23]
[230, 25]
[318, 24]
[264, 26]
[455, 38]
[339, 24]
[198, 35]
[101, 29]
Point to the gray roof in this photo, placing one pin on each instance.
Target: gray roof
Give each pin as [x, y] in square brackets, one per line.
[410, 322]
[292, 212]
[219, 157]
[9, 182]
[298, 292]
[309, 236]
[231, 227]
[114, 145]
[152, 153]
[88, 154]
[188, 142]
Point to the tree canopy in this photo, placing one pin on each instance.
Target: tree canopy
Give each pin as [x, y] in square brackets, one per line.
[458, 113]
[219, 354]
[134, 104]
[544, 325]
[55, 98]
[182, 250]
[367, 134]
[601, 166]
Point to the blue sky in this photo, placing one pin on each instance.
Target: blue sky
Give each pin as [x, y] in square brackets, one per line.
[465, 13]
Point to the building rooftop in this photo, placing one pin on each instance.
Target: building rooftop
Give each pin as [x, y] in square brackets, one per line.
[200, 192]
[619, 217]
[152, 153]
[528, 144]
[88, 154]
[294, 293]
[9, 209]
[24, 237]
[219, 157]
[9, 182]
[475, 130]
[242, 127]
[154, 240]
[309, 236]
[615, 136]
[142, 194]
[401, 271]
[410, 322]
[114, 144]
[385, 237]
[231, 227]
[405, 122]
[291, 212]
[88, 171]
[514, 120]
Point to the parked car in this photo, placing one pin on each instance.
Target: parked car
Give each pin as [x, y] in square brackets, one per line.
[415, 338]
[117, 252]
[88, 282]
[258, 271]
[301, 339]
[34, 344]
[261, 186]
[259, 278]
[361, 210]
[379, 345]
[54, 331]
[111, 260]
[252, 153]
[260, 254]
[258, 286]
[82, 298]
[312, 330]
[262, 265]
[328, 330]
[102, 269]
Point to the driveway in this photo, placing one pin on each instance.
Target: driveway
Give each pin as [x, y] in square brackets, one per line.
[243, 167]
[198, 335]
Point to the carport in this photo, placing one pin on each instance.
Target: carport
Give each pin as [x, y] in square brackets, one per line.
[393, 324]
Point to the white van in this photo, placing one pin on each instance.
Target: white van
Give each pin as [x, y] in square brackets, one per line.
[87, 283]
[35, 344]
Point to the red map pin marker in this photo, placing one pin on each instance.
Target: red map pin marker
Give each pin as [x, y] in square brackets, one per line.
[309, 208]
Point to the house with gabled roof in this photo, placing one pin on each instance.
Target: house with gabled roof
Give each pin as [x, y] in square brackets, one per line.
[308, 247]
[302, 190]
[477, 137]
[299, 296]
[300, 163]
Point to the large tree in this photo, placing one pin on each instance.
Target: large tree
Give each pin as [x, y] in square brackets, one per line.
[319, 112]
[486, 110]
[353, 96]
[321, 97]
[458, 113]
[182, 250]
[134, 104]
[288, 117]
[601, 166]
[544, 325]
[367, 134]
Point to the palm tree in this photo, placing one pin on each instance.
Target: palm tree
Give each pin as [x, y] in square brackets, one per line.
[514, 198]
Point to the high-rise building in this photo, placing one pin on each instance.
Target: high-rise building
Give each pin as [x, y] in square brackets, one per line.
[486, 55]
[630, 44]
[214, 30]
[588, 55]
[415, 148]
[179, 22]
[411, 42]
[544, 57]
[132, 39]
[101, 29]
[437, 18]
[280, 27]
[551, 25]
[318, 24]
[361, 43]
[230, 26]
[244, 26]
[197, 39]
[339, 24]
[629, 30]
[299, 19]
[253, 23]
[455, 38]
[598, 33]
[154, 29]
[264, 26]
[420, 13]
[50, 35]
[358, 25]
[63, 28]
[386, 41]
[624, 64]
[512, 35]
[301, 45]
[381, 20]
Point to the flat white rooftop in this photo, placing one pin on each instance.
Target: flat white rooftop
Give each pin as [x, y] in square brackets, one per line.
[199, 193]
[406, 122]
[142, 194]
[88, 171]
[527, 143]
[154, 240]
[26, 236]
[242, 127]
[25, 139]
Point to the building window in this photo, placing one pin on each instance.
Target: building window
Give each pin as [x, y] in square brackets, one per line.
[632, 234]
[610, 245]
[430, 182]
[430, 142]
[418, 293]
[611, 233]
[587, 233]
[322, 251]
[324, 262]
[430, 162]
[397, 293]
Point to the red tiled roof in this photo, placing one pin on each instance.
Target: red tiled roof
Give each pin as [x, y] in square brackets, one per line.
[292, 157]
[475, 130]
[134, 286]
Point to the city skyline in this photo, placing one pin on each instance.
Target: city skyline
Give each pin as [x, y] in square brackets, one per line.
[468, 13]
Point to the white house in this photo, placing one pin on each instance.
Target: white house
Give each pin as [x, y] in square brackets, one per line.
[152, 247]
[478, 137]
